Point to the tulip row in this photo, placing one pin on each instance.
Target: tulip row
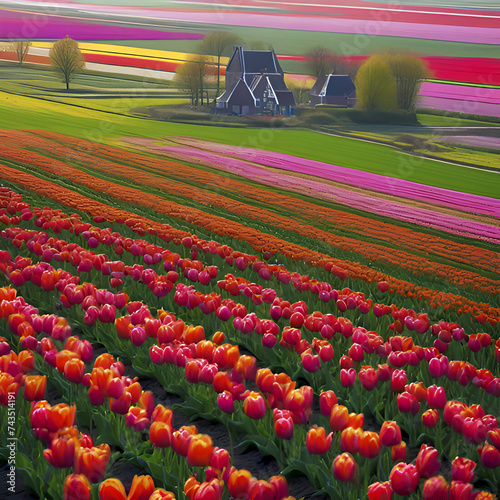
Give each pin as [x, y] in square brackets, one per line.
[435, 298]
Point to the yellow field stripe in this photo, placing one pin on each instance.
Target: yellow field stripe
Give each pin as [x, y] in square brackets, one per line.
[126, 51]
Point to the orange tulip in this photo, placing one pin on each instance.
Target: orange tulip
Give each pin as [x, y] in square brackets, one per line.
[200, 450]
[92, 462]
[74, 370]
[63, 448]
[339, 418]
[62, 357]
[162, 414]
[161, 494]
[345, 468]
[191, 486]
[142, 488]
[8, 385]
[160, 434]
[369, 444]
[238, 483]
[112, 489]
[105, 360]
[317, 442]
[34, 387]
[76, 487]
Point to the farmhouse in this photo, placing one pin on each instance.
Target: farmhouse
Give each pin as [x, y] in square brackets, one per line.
[333, 89]
[255, 85]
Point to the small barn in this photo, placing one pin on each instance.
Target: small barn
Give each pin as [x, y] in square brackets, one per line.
[336, 90]
[255, 85]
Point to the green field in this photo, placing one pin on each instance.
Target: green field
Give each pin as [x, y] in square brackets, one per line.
[21, 112]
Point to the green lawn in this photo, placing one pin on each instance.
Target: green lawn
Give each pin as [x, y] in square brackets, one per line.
[20, 112]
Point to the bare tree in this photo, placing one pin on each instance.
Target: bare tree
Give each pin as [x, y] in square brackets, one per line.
[408, 72]
[219, 43]
[191, 77]
[66, 57]
[375, 86]
[21, 48]
[322, 61]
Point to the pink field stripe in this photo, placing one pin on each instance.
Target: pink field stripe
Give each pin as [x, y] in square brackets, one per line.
[372, 204]
[463, 92]
[359, 27]
[389, 185]
[459, 106]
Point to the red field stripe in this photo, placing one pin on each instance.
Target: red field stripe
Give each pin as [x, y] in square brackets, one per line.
[134, 62]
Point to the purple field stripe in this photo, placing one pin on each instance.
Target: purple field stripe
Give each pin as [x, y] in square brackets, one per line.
[400, 211]
[459, 106]
[54, 30]
[464, 92]
[359, 178]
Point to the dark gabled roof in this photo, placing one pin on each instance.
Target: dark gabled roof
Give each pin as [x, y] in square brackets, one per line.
[276, 82]
[334, 85]
[257, 61]
[228, 93]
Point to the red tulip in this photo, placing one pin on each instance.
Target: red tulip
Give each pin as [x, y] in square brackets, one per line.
[398, 452]
[280, 485]
[221, 460]
[462, 469]
[350, 439]
[430, 418]
[435, 488]
[404, 478]
[474, 430]
[368, 377]
[460, 491]
[345, 468]
[390, 433]
[494, 437]
[327, 400]
[398, 380]
[380, 491]
[347, 377]
[428, 463]
[284, 428]
[181, 439]
[317, 442]
[408, 403]
[490, 456]
[209, 490]
[260, 490]
[436, 396]
[226, 402]
[76, 487]
[254, 406]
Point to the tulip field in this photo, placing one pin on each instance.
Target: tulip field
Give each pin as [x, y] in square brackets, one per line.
[339, 323]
